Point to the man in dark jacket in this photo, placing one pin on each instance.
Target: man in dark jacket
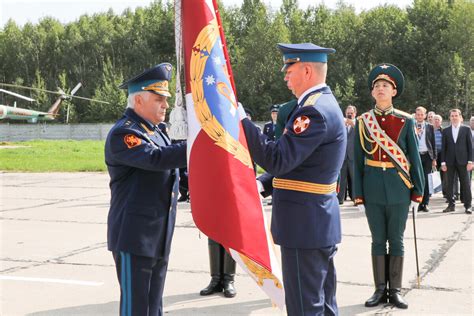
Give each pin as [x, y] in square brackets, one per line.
[144, 185]
[347, 171]
[456, 155]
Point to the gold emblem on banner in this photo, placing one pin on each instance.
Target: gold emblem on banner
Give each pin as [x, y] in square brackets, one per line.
[209, 123]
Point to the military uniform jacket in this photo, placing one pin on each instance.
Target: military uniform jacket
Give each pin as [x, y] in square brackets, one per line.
[269, 130]
[144, 183]
[283, 116]
[311, 151]
[376, 185]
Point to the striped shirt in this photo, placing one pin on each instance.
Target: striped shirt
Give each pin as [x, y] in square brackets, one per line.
[438, 138]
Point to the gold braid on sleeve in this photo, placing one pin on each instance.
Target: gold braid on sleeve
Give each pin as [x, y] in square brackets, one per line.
[363, 135]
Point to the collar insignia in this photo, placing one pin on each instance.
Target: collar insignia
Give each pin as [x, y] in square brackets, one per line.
[386, 112]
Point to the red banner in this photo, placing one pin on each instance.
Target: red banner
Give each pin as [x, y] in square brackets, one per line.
[225, 203]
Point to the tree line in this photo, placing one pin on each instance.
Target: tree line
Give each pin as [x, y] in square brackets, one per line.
[432, 42]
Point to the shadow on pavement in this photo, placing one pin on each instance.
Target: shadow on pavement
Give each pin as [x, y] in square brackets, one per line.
[110, 308]
[360, 309]
[171, 307]
[242, 308]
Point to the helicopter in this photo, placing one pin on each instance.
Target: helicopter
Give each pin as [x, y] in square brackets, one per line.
[32, 116]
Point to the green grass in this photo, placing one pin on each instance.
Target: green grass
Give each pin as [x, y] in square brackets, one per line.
[53, 155]
[56, 156]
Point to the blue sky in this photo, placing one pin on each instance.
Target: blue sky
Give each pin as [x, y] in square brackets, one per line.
[65, 11]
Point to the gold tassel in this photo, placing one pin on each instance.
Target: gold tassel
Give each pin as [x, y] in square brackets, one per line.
[363, 136]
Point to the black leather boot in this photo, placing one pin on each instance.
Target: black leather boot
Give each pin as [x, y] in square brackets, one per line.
[215, 264]
[228, 276]
[380, 294]
[396, 273]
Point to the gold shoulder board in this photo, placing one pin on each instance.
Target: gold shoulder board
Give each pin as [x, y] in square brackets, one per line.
[311, 100]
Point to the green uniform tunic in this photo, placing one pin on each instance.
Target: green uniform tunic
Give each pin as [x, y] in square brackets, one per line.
[283, 116]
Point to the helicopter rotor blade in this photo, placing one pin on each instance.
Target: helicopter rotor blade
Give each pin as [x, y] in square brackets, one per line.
[53, 92]
[76, 88]
[17, 95]
[27, 88]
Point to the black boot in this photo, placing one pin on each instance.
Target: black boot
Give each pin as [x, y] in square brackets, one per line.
[396, 272]
[228, 276]
[215, 264]
[380, 294]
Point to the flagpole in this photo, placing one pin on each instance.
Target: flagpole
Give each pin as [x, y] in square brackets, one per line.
[178, 125]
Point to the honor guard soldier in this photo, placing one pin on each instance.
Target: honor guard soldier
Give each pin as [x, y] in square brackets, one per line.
[305, 214]
[388, 180]
[222, 268]
[269, 127]
[284, 112]
[143, 181]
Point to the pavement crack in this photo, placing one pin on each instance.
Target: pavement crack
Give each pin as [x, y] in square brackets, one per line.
[57, 260]
[79, 251]
[437, 256]
[49, 221]
[406, 290]
[57, 201]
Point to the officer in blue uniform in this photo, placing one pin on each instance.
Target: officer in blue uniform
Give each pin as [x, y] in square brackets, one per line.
[269, 127]
[144, 181]
[305, 163]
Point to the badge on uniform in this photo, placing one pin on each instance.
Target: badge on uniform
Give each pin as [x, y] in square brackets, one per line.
[132, 140]
[301, 124]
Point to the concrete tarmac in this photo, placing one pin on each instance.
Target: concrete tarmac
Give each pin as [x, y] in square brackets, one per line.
[54, 258]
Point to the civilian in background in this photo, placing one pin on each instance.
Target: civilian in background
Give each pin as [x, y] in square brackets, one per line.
[347, 171]
[427, 150]
[438, 131]
[430, 117]
[456, 155]
[471, 124]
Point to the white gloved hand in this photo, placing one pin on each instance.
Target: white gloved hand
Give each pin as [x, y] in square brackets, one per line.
[414, 206]
[260, 186]
[241, 111]
[361, 207]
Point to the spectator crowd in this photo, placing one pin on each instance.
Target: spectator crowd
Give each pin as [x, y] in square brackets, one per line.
[447, 150]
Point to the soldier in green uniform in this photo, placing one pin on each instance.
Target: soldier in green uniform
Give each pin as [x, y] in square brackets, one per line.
[264, 182]
[388, 180]
[284, 113]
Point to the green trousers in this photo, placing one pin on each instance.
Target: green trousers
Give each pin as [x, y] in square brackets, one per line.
[387, 224]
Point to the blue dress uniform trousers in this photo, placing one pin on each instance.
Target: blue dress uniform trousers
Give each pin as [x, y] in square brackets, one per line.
[145, 278]
[309, 276]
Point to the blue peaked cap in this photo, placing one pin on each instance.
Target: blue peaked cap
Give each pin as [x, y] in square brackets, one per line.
[155, 79]
[303, 52]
